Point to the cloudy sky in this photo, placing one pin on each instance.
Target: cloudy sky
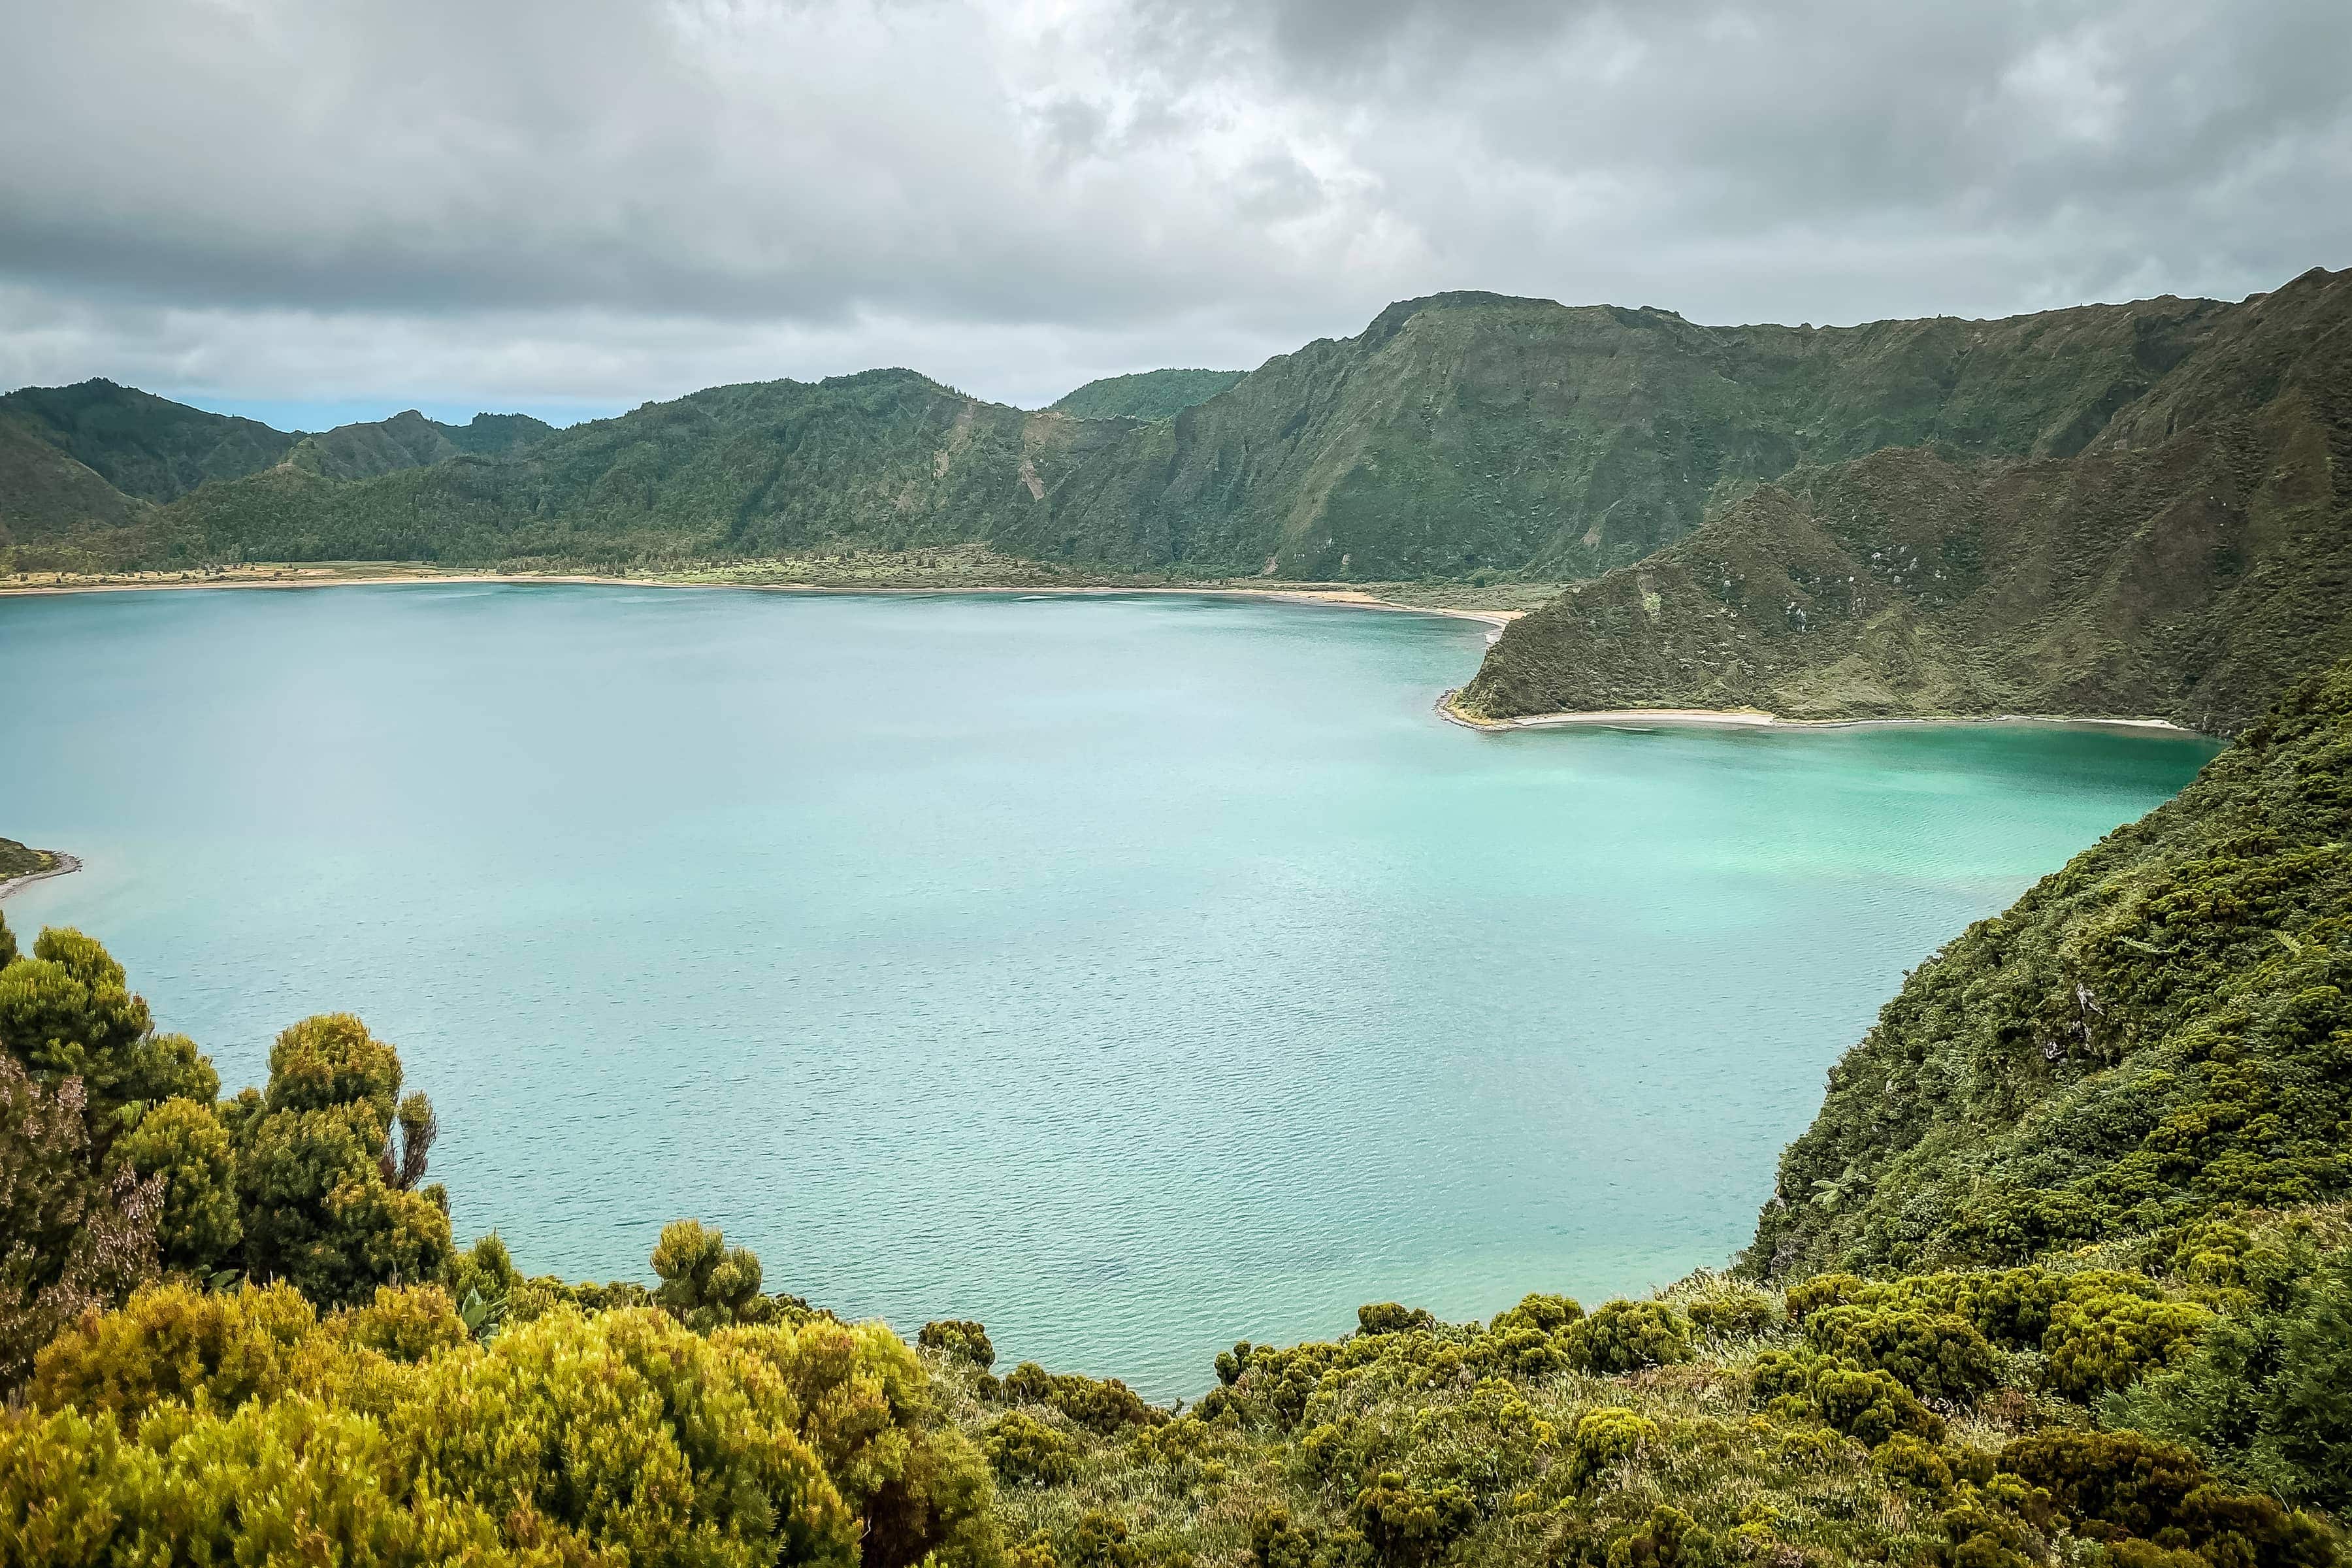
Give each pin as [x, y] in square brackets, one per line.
[326, 209]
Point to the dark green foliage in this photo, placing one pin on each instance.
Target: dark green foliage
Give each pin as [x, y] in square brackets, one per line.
[1670, 1539]
[1606, 1438]
[2266, 1396]
[1726, 1315]
[2156, 1033]
[8, 953]
[1024, 1451]
[141, 445]
[66, 1011]
[1408, 1525]
[1104, 1406]
[1152, 394]
[961, 1338]
[1625, 1336]
[1932, 1354]
[1276, 1541]
[2119, 1484]
[181, 1145]
[410, 440]
[2182, 553]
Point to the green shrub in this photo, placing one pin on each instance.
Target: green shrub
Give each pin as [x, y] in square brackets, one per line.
[173, 1342]
[1864, 1403]
[2116, 1484]
[959, 1338]
[1934, 1355]
[1408, 1525]
[2262, 1397]
[1543, 1314]
[1626, 1336]
[1724, 1316]
[1024, 1451]
[1670, 1539]
[1390, 1317]
[1607, 1437]
[183, 1144]
[1526, 1352]
[1101, 1404]
[2111, 1341]
[1276, 1541]
[705, 1283]
[327, 1202]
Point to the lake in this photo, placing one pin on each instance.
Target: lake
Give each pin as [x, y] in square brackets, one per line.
[1135, 974]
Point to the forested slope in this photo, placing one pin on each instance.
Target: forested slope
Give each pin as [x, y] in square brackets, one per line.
[1457, 435]
[2186, 563]
[2156, 1033]
[1148, 395]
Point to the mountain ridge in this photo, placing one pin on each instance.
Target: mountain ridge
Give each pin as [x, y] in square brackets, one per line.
[1459, 434]
[2185, 562]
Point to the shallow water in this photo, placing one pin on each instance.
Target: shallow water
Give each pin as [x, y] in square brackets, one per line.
[1133, 973]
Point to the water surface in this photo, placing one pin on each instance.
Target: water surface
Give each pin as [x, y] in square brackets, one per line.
[1133, 973]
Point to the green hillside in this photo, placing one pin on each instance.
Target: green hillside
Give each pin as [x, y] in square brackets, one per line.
[1462, 434]
[1152, 394]
[2154, 1034]
[886, 459]
[2184, 563]
[145, 445]
[410, 440]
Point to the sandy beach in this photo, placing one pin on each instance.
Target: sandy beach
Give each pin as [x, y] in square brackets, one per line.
[1757, 719]
[301, 578]
[62, 864]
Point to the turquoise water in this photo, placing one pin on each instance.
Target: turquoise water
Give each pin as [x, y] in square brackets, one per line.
[1133, 973]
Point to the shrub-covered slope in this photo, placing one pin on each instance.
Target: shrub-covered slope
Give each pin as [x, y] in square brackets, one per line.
[2158, 1032]
[1150, 394]
[2186, 563]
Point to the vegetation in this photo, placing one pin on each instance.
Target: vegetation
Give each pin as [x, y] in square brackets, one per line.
[1153, 394]
[2155, 1035]
[2062, 1276]
[16, 860]
[2187, 562]
[1459, 436]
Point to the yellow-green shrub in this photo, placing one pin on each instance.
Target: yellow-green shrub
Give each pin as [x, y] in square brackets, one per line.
[1606, 1438]
[1024, 1451]
[1626, 1336]
[1934, 1355]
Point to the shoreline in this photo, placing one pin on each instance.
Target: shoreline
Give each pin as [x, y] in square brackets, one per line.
[60, 865]
[1347, 598]
[1645, 718]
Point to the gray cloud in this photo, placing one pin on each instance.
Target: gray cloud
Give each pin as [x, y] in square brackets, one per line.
[534, 201]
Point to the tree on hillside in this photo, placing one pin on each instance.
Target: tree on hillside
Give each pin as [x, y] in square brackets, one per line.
[329, 1194]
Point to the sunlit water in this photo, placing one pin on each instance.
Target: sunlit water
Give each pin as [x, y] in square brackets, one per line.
[1133, 973]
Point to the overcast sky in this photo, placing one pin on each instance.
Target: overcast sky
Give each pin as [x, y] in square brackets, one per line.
[327, 209]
